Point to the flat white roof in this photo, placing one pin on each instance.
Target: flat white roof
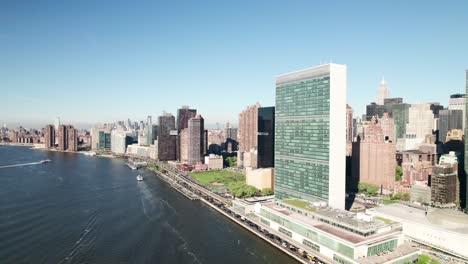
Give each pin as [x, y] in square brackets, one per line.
[446, 219]
[307, 73]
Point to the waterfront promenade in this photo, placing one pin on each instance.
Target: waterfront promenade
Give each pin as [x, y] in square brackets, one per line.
[222, 205]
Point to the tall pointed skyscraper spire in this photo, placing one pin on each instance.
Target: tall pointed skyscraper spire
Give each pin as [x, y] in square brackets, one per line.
[383, 92]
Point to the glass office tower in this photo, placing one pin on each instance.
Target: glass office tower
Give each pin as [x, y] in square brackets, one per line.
[266, 137]
[310, 135]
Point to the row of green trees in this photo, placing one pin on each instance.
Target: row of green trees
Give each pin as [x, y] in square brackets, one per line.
[369, 189]
[156, 167]
[400, 196]
[242, 190]
[425, 259]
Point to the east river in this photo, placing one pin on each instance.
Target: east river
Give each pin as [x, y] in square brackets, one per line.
[81, 209]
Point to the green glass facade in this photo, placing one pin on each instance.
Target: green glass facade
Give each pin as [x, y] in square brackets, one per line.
[104, 141]
[400, 114]
[376, 249]
[302, 133]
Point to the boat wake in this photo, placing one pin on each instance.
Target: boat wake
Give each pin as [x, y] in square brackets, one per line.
[23, 164]
[148, 204]
[184, 245]
[85, 241]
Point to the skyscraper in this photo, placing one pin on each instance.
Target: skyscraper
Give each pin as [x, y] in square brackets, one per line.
[266, 137]
[72, 137]
[248, 129]
[119, 141]
[57, 125]
[457, 102]
[196, 138]
[374, 155]
[104, 141]
[167, 137]
[310, 135]
[149, 121]
[49, 137]
[183, 116]
[383, 92]
[62, 137]
[377, 110]
[67, 138]
[448, 120]
[444, 184]
[420, 125]
[400, 115]
[230, 138]
[57, 122]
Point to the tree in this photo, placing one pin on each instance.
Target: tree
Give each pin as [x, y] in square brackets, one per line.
[242, 190]
[266, 191]
[423, 259]
[230, 161]
[398, 173]
[250, 191]
[368, 189]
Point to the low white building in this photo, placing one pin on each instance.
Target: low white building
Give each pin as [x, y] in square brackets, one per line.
[339, 235]
[260, 178]
[153, 151]
[214, 162]
[442, 229]
[138, 151]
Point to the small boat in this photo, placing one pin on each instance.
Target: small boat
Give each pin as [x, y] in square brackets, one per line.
[45, 161]
[132, 166]
[139, 178]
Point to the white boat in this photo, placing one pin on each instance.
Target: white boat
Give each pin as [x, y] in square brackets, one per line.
[45, 161]
[139, 178]
[132, 166]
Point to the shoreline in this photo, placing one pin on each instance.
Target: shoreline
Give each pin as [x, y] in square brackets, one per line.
[165, 178]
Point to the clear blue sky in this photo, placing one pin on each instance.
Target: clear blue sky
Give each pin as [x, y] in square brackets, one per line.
[99, 61]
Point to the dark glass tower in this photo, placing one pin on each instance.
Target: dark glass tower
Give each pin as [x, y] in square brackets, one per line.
[266, 137]
[167, 138]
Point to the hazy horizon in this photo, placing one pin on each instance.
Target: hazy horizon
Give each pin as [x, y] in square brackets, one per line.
[96, 62]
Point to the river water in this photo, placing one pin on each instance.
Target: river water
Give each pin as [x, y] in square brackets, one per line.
[80, 209]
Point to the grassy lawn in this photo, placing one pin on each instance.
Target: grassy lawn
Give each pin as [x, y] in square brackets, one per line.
[300, 204]
[387, 202]
[385, 220]
[225, 177]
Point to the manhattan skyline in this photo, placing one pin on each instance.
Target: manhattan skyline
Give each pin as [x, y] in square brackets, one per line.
[117, 60]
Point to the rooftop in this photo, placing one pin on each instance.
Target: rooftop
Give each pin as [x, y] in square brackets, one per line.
[346, 218]
[342, 217]
[446, 219]
[401, 251]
